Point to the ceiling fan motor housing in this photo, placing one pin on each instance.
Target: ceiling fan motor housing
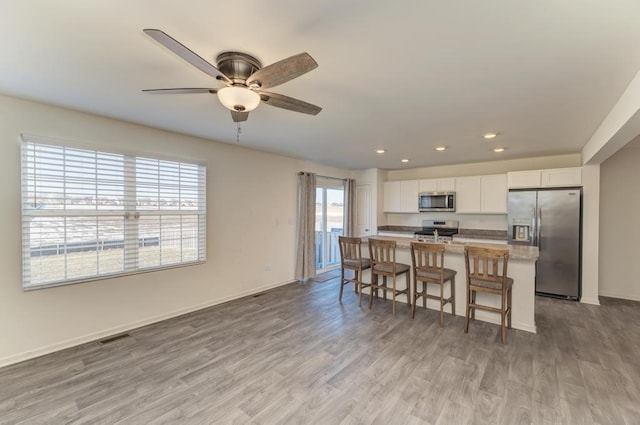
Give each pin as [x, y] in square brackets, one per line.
[237, 66]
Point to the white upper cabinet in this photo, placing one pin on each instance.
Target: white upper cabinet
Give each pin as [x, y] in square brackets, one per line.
[401, 196]
[438, 185]
[494, 194]
[523, 179]
[554, 177]
[468, 194]
[391, 196]
[409, 196]
[562, 177]
[482, 194]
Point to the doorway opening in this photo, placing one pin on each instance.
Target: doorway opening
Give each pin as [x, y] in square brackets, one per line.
[329, 223]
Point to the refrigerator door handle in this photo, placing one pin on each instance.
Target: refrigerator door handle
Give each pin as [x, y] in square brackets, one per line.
[538, 228]
[534, 231]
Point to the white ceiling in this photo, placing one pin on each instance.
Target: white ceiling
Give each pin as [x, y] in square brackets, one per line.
[404, 75]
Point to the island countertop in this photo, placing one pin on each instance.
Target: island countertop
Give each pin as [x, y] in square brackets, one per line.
[518, 252]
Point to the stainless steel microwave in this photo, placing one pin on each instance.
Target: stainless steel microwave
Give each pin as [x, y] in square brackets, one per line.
[437, 201]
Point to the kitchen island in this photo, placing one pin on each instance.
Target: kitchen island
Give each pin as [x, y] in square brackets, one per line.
[522, 268]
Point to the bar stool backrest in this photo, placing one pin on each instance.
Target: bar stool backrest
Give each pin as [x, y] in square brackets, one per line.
[428, 257]
[382, 253]
[487, 264]
[350, 249]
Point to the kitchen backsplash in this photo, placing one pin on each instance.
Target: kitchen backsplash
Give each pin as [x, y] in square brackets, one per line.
[467, 221]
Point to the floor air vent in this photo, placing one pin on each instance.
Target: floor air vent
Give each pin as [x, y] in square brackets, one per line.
[113, 338]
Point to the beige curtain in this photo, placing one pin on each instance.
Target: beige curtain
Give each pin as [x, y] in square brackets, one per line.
[350, 207]
[306, 235]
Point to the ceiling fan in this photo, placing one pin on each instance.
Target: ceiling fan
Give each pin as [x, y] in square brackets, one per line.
[244, 76]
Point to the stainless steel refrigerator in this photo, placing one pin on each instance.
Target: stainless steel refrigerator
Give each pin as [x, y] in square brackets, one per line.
[550, 219]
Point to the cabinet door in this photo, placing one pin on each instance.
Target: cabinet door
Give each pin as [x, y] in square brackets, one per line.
[562, 177]
[446, 184]
[391, 196]
[428, 185]
[518, 179]
[409, 196]
[468, 195]
[494, 194]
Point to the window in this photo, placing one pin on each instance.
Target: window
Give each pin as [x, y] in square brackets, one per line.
[88, 215]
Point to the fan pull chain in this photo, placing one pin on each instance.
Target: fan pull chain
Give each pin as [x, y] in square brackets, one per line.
[238, 133]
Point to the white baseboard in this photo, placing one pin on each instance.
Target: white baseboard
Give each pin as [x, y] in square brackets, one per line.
[72, 342]
[618, 295]
[592, 301]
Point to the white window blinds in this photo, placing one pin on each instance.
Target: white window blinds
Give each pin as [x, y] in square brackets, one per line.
[88, 214]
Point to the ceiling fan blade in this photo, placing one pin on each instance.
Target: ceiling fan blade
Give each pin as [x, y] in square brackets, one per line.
[181, 90]
[286, 102]
[185, 53]
[239, 116]
[282, 71]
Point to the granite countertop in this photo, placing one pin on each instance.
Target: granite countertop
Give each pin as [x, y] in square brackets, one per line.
[517, 252]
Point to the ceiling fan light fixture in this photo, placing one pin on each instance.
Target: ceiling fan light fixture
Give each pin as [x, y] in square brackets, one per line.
[239, 99]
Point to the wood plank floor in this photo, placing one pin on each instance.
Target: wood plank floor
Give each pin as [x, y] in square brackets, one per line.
[295, 355]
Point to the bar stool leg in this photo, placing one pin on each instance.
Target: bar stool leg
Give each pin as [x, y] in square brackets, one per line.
[393, 295]
[409, 301]
[360, 290]
[468, 311]
[503, 327]
[509, 307]
[441, 304]
[341, 283]
[415, 297]
[374, 282]
[452, 284]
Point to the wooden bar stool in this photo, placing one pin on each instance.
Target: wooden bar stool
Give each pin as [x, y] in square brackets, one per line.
[428, 267]
[383, 263]
[351, 259]
[487, 272]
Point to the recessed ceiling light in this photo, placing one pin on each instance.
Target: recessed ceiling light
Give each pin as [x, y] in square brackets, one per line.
[490, 135]
[441, 148]
[380, 151]
[404, 160]
[498, 150]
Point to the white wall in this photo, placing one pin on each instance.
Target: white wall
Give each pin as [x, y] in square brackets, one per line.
[250, 224]
[619, 224]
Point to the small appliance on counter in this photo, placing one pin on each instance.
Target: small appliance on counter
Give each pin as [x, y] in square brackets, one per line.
[437, 230]
[550, 219]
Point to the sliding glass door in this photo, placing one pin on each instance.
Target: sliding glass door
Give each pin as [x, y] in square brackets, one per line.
[329, 222]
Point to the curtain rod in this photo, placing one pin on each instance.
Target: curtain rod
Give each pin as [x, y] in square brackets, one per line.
[324, 177]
